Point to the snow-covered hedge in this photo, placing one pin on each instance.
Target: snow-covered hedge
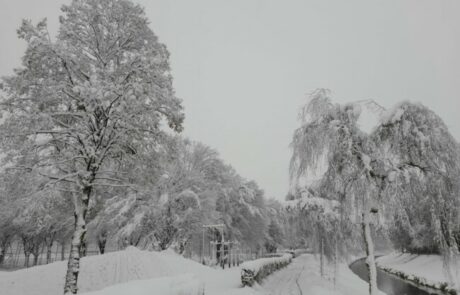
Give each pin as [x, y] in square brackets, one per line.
[256, 270]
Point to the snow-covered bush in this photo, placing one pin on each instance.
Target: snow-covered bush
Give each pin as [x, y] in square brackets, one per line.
[257, 270]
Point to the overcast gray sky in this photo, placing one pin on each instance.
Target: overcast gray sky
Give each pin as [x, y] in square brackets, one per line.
[243, 67]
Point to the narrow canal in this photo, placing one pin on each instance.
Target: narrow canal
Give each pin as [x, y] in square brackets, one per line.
[390, 284]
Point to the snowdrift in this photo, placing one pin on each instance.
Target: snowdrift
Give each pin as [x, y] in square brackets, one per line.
[98, 272]
[177, 285]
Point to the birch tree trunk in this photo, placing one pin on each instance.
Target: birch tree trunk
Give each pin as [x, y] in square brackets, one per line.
[78, 240]
[370, 259]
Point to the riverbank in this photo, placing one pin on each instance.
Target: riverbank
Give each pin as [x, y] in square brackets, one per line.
[303, 276]
[425, 270]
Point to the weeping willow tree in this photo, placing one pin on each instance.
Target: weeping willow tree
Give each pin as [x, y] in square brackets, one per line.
[329, 135]
[423, 180]
[407, 169]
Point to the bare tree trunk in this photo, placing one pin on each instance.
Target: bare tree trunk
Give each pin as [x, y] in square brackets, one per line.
[369, 245]
[83, 248]
[27, 250]
[35, 258]
[26, 260]
[63, 250]
[101, 243]
[16, 256]
[336, 263]
[36, 251]
[48, 252]
[2, 254]
[321, 258]
[56, 252]
[78, 241]
[49, 241]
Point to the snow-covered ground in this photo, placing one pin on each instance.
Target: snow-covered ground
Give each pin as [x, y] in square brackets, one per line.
[302, 277]
[427, 269]
[98, 272]
[137, 272]
[172, 285]
[158, 273]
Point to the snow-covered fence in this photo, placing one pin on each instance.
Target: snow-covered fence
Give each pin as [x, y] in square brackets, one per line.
[256, 270]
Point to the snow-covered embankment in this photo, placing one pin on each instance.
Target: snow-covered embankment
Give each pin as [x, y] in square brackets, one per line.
[426, 270]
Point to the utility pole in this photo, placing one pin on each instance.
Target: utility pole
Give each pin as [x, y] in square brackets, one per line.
[222, 250]
[218, 227]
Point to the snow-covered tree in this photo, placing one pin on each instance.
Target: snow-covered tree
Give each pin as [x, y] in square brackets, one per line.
[94, 96]
[423, 175]
[7, 229]
[407, 169]
[195, 173]
[319, 220]
[274, 237]
[329, 131]
[7, 214]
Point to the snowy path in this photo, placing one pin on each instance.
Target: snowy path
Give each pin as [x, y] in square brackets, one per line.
[294, 279]
[302, 277]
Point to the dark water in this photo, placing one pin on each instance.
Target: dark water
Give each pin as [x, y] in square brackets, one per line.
[390, 284]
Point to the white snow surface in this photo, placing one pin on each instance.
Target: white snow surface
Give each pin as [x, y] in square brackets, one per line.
[426, 267]
[137, 272]
[302, 277]
[98, 272]
[176, 285]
